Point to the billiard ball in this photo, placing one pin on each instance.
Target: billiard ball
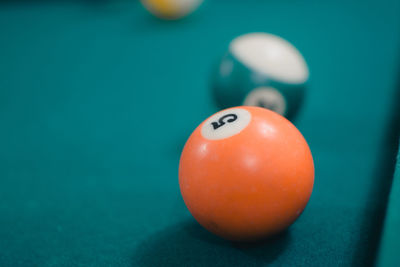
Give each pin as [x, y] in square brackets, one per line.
[171, 9]
[246, 173]
[262, 70]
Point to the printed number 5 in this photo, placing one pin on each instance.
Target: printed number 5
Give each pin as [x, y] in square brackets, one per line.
[228, 118]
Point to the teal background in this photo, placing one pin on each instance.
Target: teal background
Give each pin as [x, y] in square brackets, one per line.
[97, 100]
[390, 241]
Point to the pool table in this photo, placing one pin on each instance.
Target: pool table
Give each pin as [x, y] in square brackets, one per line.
[97, 99]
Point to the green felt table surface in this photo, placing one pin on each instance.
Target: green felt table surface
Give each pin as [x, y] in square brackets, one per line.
[98, 98]
[390, 238]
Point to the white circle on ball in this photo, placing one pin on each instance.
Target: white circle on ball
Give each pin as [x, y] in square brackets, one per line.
[225, 123]
[266, 97]
[272, 56]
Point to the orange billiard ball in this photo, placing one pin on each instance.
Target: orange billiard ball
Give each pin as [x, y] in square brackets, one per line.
[246, 173]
